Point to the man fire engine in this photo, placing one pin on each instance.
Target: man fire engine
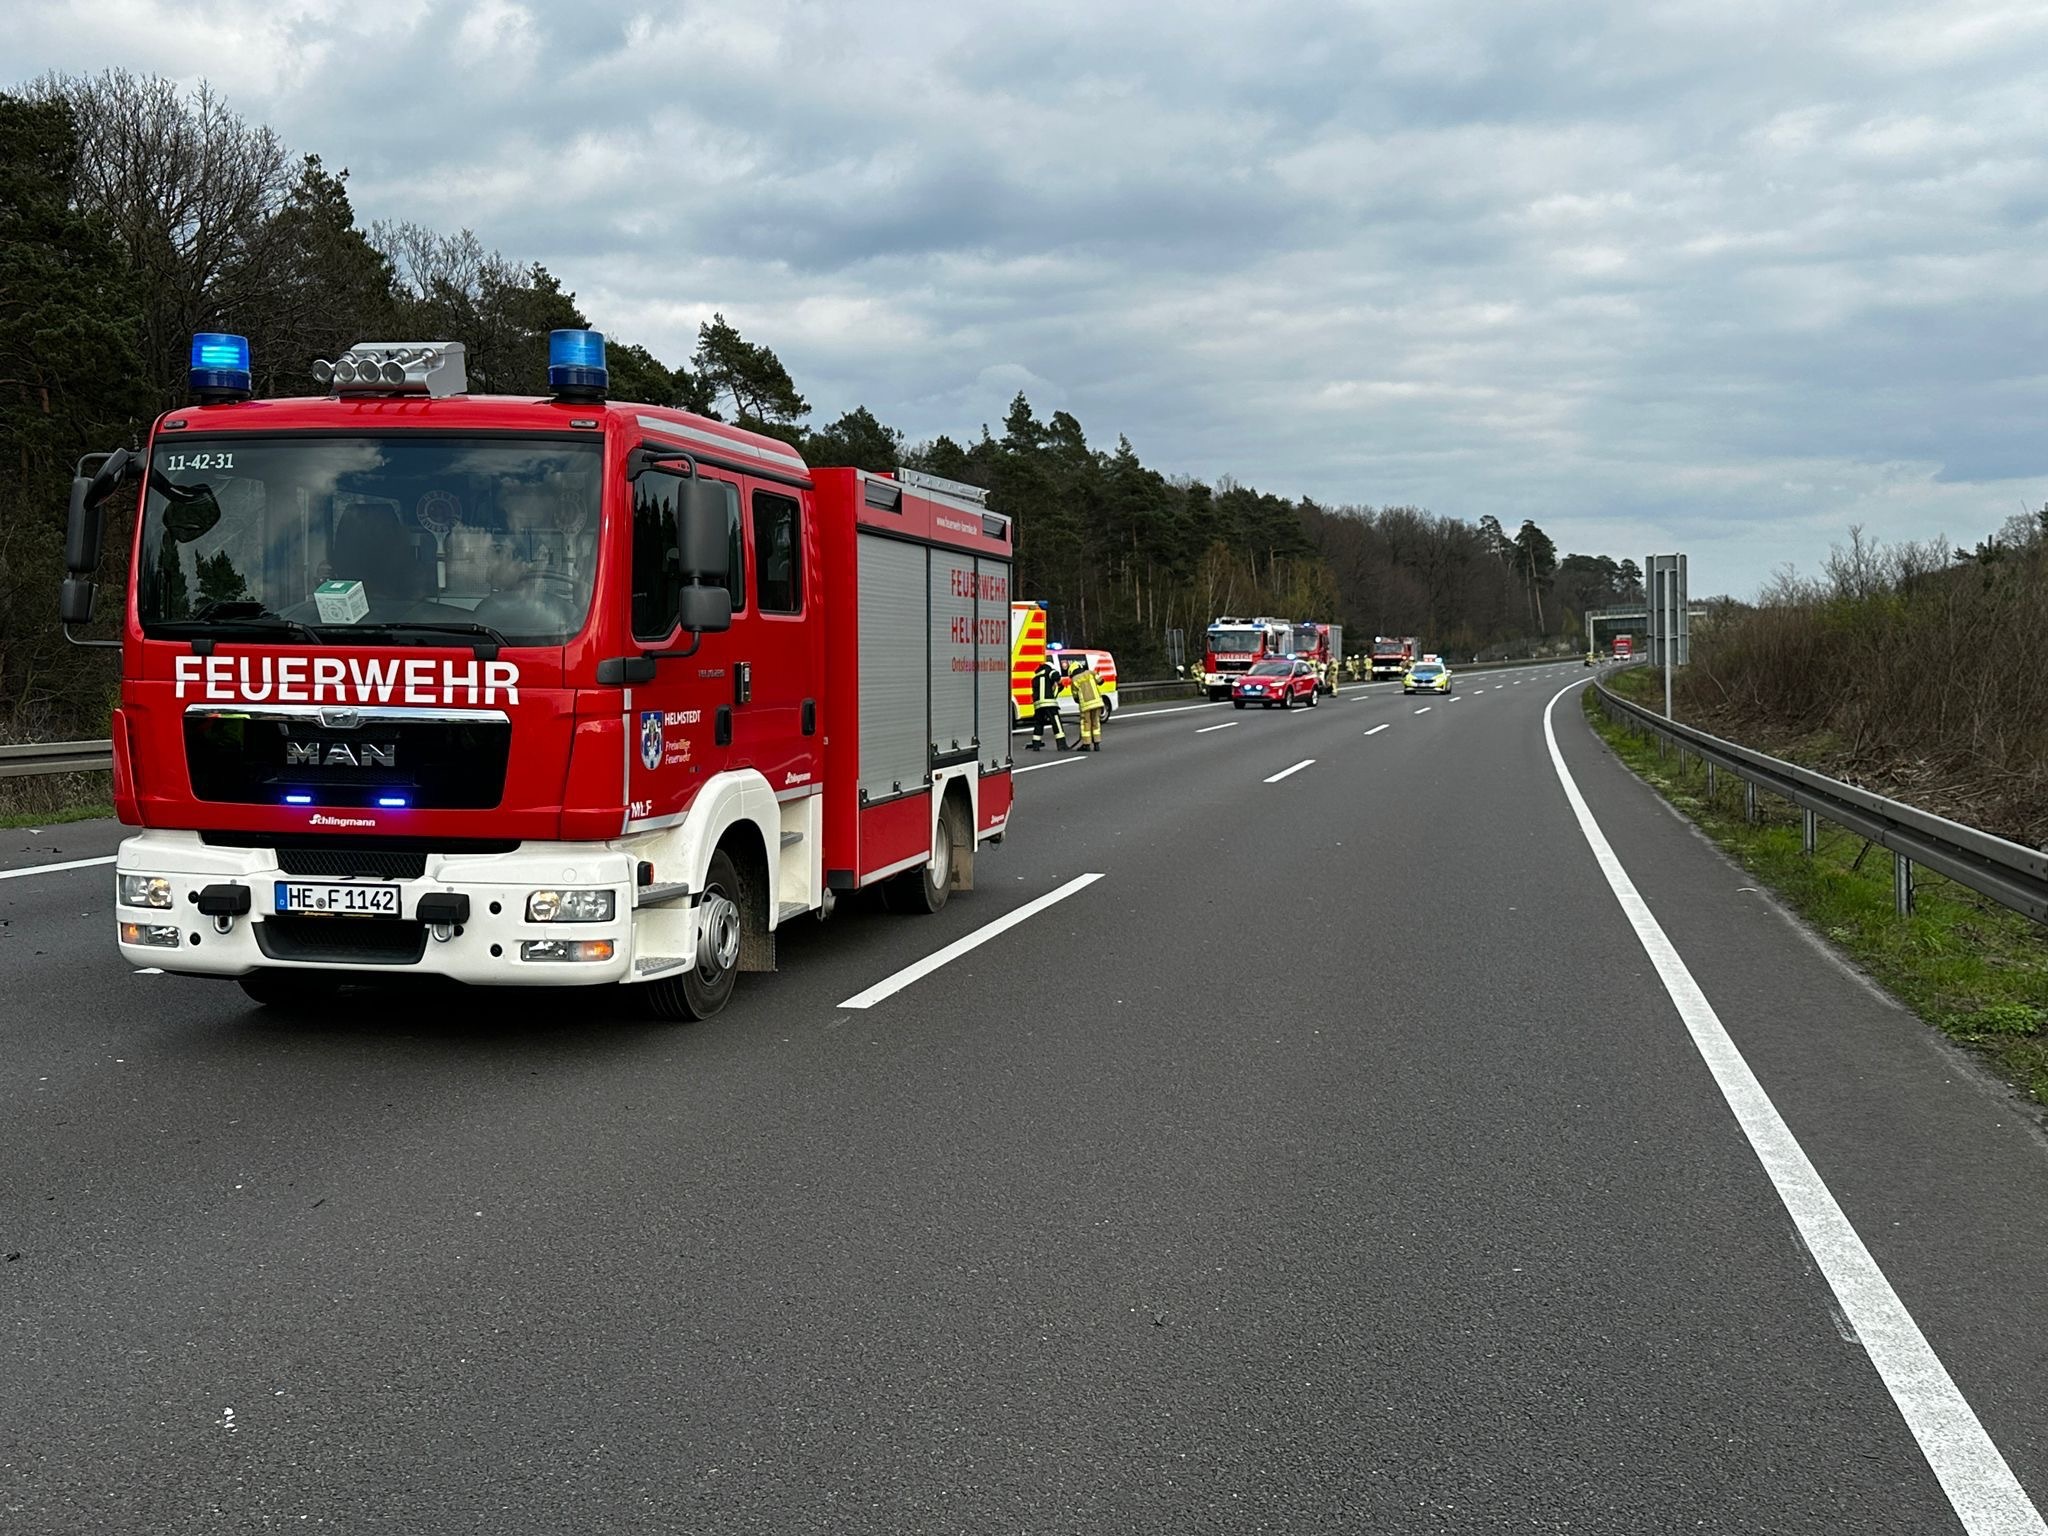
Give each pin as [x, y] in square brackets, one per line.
[547, 692]
[1232, 645]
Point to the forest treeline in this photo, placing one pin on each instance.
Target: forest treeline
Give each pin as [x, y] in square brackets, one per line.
[134, 213]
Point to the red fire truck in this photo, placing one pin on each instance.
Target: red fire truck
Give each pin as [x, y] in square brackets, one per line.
[1232, 645]
[1393, 655]
[1624, 647]
[1322, 647]
[544, 692]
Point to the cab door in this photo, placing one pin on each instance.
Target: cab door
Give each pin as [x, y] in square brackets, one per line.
[777, 656]
[677, 737]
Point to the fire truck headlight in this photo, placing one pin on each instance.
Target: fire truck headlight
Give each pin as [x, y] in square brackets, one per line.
[145, 891]
[571, 907]
[154, 935]
[566, 949]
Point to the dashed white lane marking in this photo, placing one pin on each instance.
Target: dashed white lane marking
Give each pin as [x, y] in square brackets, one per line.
[1058, 762]
[1226, 725]
[1378, 728]
[1425, 709]
[1284, 772]
[1981, 1488]
[891, 985]
[1454, 698]
[51, 869]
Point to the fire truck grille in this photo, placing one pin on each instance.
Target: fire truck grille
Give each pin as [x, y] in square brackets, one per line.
[343, 940]
[341, 857]
[340, 863]
[419, 763]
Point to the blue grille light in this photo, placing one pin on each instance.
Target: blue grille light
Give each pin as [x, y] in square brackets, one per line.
[298, 799]
[220, 365]
[576, 364]
[393, 800]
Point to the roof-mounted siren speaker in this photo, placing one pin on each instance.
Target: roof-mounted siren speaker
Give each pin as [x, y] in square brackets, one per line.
[219, 369]
[432, 368]
[576, 369]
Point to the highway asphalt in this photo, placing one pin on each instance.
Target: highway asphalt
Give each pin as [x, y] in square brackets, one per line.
[1336, 1161]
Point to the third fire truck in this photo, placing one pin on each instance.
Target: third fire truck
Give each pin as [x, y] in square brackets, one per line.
[544, 692]
[1392, 655]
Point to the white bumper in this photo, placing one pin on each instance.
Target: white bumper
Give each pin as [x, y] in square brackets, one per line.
[485, 950]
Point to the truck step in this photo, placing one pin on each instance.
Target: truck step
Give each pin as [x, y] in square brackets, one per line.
[647, 967]
[791, 839]
[656, 895]
[788, 909]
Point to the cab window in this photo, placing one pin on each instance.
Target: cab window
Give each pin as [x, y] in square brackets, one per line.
[657, 560]
[778, 553]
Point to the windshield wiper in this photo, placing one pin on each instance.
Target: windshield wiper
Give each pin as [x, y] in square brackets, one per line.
[241, 617]
[485, 635]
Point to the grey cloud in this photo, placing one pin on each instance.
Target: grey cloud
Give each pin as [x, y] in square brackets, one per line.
[1723, 277]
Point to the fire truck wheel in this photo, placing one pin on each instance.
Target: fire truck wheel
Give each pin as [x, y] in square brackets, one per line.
[706, 986]
[284, 989]
[926, 889]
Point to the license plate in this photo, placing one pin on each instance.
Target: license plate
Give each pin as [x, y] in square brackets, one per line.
[338, 900]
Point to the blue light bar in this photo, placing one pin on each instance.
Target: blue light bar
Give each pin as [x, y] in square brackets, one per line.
[220, 364]
[576, 364]
[395, 800]
[298, 799]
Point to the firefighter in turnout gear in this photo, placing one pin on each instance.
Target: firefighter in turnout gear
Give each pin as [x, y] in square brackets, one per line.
[1045, 707]
[1088, 696]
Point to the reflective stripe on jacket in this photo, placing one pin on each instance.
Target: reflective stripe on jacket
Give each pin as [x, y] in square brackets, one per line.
[1087, 692]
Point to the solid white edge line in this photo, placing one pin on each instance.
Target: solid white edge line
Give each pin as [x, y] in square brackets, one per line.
[1284, 772]
[1981, 1488]
[51, 869]
[1378, 728]
[1058, 762]
[1226, 725]
[889, 986]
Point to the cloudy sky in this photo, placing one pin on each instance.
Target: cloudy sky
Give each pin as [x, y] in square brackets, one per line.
[1721, 276]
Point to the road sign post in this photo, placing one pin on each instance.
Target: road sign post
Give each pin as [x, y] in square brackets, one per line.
[1670, 621]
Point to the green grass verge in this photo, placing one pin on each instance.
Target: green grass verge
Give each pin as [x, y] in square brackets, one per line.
[57, 817]
[1966, 965]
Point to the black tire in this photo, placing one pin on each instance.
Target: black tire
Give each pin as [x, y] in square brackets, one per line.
[1287, 701]
[286, 989]
[1237, 703]
[1314, 698]
[920, 891]
[706, 986]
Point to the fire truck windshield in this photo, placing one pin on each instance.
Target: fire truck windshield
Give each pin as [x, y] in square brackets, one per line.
[1235, 641]
[308, 536]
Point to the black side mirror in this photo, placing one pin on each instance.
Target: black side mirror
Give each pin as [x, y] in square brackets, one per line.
[703, 532]
[704, 610]
[74, 600]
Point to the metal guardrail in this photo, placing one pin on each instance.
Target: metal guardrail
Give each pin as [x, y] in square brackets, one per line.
[2011, 874]
[56, 757]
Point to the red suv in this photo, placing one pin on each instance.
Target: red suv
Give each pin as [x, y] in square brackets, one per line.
[1285, 683]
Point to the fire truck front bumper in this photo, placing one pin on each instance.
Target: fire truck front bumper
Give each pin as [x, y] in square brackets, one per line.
[543, 914]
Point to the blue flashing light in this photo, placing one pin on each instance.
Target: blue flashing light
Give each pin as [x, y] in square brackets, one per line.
[298, 799]
[392, 800]
[220, 364]
[576, 363]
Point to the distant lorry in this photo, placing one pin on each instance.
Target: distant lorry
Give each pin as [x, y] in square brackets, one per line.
[1231, 647]
[1624, 647]
[1393, 655]
[1322, 647]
